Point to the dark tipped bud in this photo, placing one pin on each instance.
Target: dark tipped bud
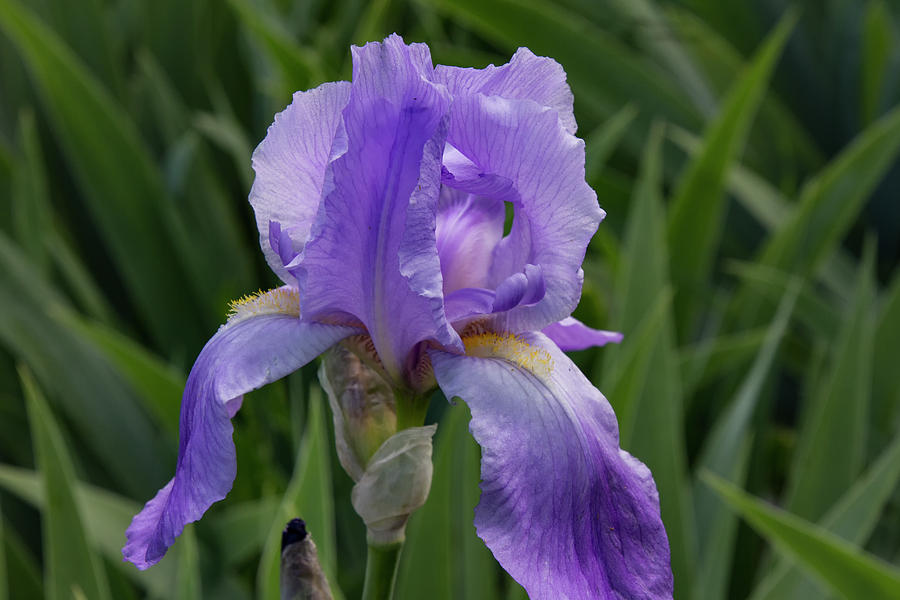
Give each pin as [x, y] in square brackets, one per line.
[301, 574]
[294, 532]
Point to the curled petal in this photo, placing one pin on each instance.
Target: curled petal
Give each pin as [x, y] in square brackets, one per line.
[572, 334]
[468, 229]
[563, 509]
[290, 165]
[516, 150]
[243, 355]
[524, 77]
[372, 254]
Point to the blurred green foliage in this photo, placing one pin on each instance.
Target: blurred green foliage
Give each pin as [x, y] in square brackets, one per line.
[746, 154]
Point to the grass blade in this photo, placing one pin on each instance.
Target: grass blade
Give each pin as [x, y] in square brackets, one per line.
[853, 518]
[822, 469]
[106, 516]
[308, 496]
[837, 563]
[121, 185]
[698, 204]
[71, 562]
[657, 413]
[443, 557]
[726, 454]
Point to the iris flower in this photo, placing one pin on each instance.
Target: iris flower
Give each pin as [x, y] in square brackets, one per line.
[381, 206]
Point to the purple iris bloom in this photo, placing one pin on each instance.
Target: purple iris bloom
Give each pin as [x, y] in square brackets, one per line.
[381, 205]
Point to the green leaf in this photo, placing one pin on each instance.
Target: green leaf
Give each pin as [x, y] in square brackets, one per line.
[241, 530]
[698, 203]
[121, 185]
[97, 401]
[187, 579]
[602, 141]
[297, 68]
[877, 45]
[885, 392]
[31, 212]
[71, 563]
[830, 202]
[852, 518]
[838, 564]
[823, 467]
[584, 51]
[22, 570]
[4, 585]
[106, 516]
[726, 454]
[652, 428]
[309, 497]
[159, 384]
[443, 558]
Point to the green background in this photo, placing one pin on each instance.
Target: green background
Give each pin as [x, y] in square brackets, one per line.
[746, 154]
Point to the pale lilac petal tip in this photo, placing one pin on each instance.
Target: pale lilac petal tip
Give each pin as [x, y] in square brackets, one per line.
[290, 165]
[564, 510]
[572, 334]
[241, 357]
[524, 77]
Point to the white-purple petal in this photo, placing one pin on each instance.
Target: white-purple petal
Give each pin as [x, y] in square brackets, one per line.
[240, 357]
[564, 510]
[372, 253]
[517, 151]
[290, 165]
[524, 77]
[572, 334]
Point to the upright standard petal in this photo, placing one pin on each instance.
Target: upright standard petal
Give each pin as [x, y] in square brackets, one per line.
[290, 165]
[260, 345]
[516, 150]
[564, 510]
[372, 254]
[524, 77]
[572, 334]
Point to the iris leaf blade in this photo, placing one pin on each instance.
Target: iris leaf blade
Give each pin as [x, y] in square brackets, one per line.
[852, 518]
[822, 469]
[837, 563]
[106, 516]
[444, 558]
[121, 185]
[698, 203]
[70, 561]
[308, 496]
[657, 412]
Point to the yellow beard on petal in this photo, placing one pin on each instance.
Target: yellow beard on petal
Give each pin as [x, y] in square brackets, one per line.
[511, 348]
[280, 301]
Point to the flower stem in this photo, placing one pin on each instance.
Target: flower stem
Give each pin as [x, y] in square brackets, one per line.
[381, 571]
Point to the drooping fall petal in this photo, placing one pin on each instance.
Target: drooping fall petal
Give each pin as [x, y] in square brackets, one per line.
[252, 350]
[565, 511]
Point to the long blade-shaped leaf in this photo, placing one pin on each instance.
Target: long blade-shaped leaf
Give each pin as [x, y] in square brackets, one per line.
[106, 516]
[652, 428]
[698, 206]
[822, 467]
[444, 558]
[309, 497]
[583, 50]
[121, 184]
[71, 563]
[726, 453]
[840, 565]
[101, 406]
[853, 518]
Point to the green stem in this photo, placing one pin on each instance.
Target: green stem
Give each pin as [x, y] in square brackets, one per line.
[381, 571]
[411, 409]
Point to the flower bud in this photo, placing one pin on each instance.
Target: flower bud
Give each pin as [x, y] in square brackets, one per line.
[363, 407]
